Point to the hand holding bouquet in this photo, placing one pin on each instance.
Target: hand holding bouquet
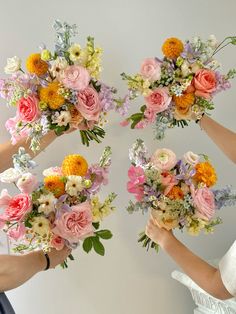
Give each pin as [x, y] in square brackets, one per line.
[59, 91]
[177, 191]
[62, 210]
[179, 87]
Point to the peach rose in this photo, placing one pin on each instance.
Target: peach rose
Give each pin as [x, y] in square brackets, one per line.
[75, 225]
[18, 206]
[204, 83]
[57, 242]
[89, 104]
[151, 69]
[159, 100]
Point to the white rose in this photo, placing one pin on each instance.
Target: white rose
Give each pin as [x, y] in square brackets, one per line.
[191, 158]
[10, 175]
[13, 65]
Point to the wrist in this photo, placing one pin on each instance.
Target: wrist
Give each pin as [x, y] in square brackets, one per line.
[167, 240]
[41, 260]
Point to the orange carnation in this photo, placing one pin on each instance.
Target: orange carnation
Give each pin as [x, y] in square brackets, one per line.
[176, 193]
[205, 173]
[184, 101]
[74, 165]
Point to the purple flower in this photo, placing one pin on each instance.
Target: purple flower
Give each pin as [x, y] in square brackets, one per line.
[185, 173]
[189, 53]
[222, 83]
[106, 97]
[99, 176]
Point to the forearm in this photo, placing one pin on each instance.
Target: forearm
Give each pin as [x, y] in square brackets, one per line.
[203, 274]
[7, 149]
[221, 136]
[15, 270]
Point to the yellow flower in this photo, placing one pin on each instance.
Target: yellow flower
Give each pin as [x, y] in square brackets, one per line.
[172, 48]
[36, 65]
[40, 225]
[55, 185]
[51, 96]
[75, 52]
[46, 55]
[205, 173]
[74, 165]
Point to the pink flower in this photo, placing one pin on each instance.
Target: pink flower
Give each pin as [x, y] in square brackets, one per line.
[76, 224]
[5, 198]
[17, 233]
[11, 126]
[17, 207]
[76, 77]
[204, 83]
[150, 115]
[53, 171]
[151, 69]
[27, 109]
[168, 180]
[27, 183]
[204, 201]
[137, 179]
[57, 242]
[164, 159]
[158, 100]
[124, 123]
[89, 104]
[141, 124]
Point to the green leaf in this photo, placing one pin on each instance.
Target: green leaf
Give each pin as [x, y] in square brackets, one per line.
[96, 225]
[98, 246]
[96, 86]
[88, 244]
[143, 108]
[104, 234]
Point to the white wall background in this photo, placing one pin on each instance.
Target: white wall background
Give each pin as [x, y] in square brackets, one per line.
[127, 280]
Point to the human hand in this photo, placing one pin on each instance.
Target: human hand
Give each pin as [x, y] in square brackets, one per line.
[58, 257]
[156, 233]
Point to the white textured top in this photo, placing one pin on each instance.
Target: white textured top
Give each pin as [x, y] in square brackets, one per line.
[227, 268]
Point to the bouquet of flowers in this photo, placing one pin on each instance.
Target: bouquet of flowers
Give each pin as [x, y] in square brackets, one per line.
[179, 87]
[60, 90]
[178, 191]
[64, 209]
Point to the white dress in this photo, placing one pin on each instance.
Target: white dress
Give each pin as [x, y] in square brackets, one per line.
[227, 268]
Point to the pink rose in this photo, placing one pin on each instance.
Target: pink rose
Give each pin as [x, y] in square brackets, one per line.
[76, 77]
[204, 83]
[53, 171]
[164, 159]
[158, 100]
[17, 233]
[137, 179]
[17, 207]
[169, 181]
[27, 109]
[89, 104]
[11, 126]
[150, 115]
[204, 201]
[151, 69]
[57, 242]
[76, 224]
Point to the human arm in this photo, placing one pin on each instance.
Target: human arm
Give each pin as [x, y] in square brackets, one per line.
[17, 269]
[224, 138]
[203, 274]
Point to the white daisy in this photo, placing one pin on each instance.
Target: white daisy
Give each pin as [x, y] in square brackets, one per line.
[74, 185]
[58, 66]
[47, 203]
[40, 225]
